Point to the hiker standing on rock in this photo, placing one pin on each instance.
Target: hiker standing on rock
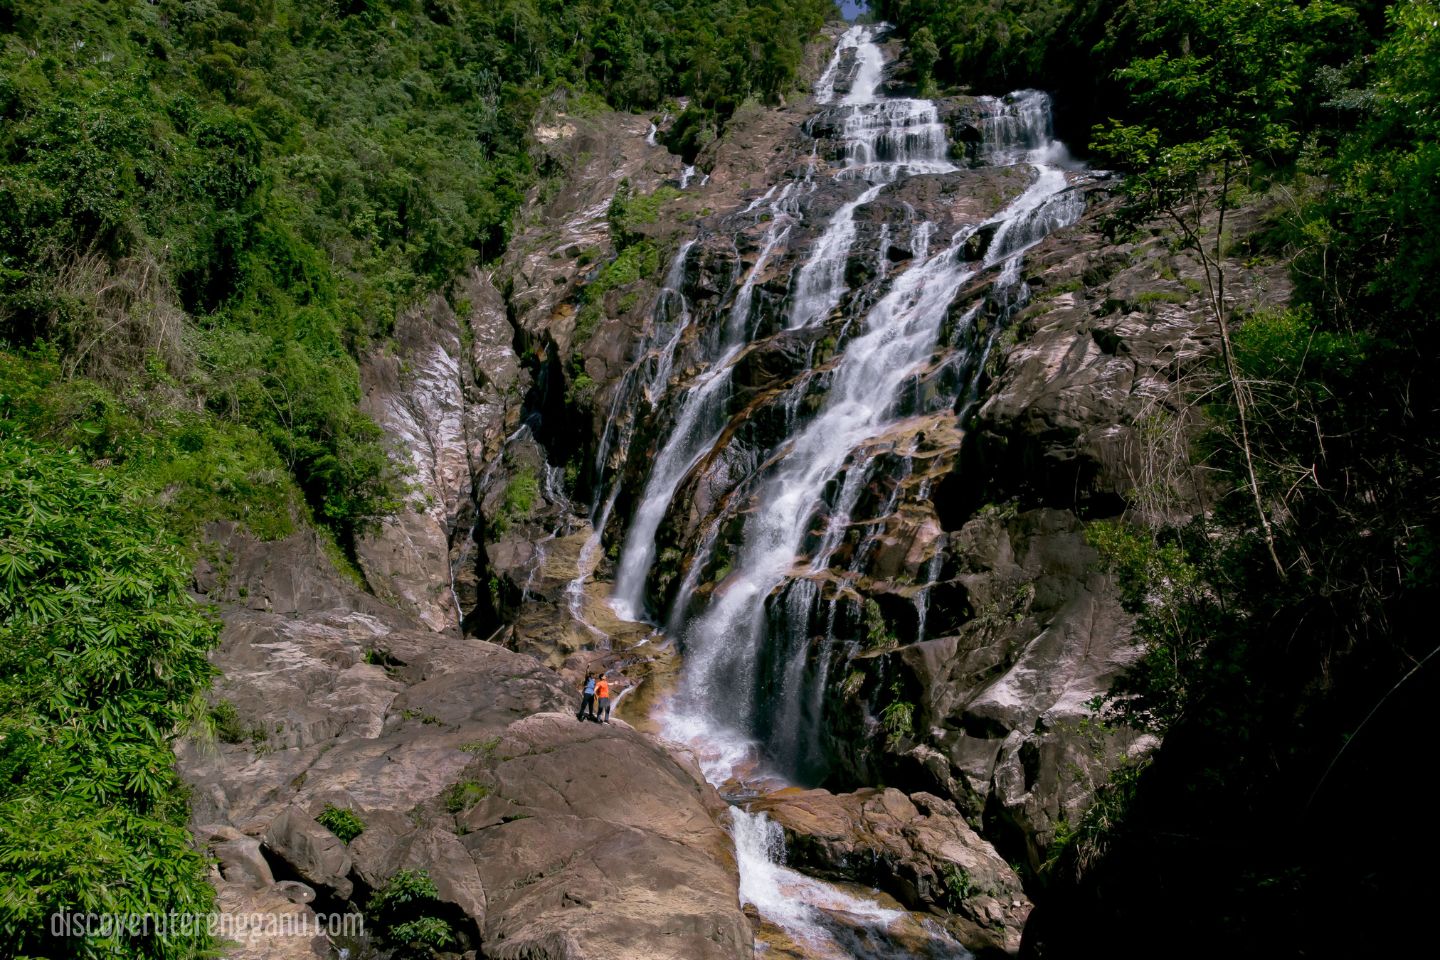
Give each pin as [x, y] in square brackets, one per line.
[602, 694]
[587, 702]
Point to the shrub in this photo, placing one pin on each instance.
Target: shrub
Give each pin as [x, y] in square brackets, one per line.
[877, 632]
[959, 885]
[102, 664]
[344, 823]
[464, 795]
[897, 719]
[404, 914]
[517, 504]
[229, 728]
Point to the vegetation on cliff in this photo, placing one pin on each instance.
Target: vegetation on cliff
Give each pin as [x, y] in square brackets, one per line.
[1285, 655]
[209, 212]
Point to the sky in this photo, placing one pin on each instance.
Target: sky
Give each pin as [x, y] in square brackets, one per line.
[849, 8]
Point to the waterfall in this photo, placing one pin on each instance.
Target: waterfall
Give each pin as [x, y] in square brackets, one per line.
[884, 140]
[746, 671]
[697, 425]
[759, 645]
[789, 899]
[825, 87]
[823, 920]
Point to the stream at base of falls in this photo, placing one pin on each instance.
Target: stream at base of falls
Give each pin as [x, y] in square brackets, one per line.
[752, 687]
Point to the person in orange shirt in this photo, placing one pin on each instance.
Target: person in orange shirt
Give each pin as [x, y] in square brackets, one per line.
[602, 698]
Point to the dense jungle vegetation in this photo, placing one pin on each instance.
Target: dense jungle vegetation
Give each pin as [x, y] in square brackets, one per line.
[1288, 629]
[209, 211]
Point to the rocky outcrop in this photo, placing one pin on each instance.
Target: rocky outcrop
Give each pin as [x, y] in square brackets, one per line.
[917, 848]
[544, 837]
[588, 845]
[1083, 398]
[953, 641]
[447, 391]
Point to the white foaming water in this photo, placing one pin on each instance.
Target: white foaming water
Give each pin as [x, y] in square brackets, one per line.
[723, 644]
[888, 139]
[825, 86]
[900, 332]
[870, 72]
[1017, 129]
[672, 313]
[717, 703]
[884, 141]
[697, 427]
[790, 900]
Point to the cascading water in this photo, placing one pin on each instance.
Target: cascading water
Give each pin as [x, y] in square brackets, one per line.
[753, 679]
[724, 678]
[697, 425]
[884, 140]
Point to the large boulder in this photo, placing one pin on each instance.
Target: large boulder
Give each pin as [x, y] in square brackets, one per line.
[917, 848]
[311, 850]
[593, 844]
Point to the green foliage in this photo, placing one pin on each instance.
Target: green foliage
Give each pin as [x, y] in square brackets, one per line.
[997, 44]
[1149, 298]
[405, 889]
[465, 794]
[229, 728]
[1076, 848]
[630, 212]
[1228, 70]
[422, 937]
[959, 885]
[1177, 615]
[486, 747]
[878, 635]
[195, 466]
[344, 823]
[897, 719]
[404, 913]
[638, 261]
[517, 503]
[250, 192]
[1275, 654]
[924, 55]
[102, 663]
[580, 391]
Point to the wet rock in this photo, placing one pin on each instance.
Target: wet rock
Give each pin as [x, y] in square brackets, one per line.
[917, 848]
[446, 412]
[435, 717]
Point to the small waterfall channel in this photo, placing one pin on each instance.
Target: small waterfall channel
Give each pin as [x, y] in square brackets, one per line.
[751, 697]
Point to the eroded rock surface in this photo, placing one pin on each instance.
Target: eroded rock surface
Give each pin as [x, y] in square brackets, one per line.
[917, 848]
[546, 837]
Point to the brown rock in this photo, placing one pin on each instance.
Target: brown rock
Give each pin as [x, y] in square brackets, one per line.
[311, 850]
[917, 848]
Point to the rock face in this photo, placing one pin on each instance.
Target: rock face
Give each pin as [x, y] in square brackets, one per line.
[917, 848]
[545, 837]
[591, 846]
[447, 391]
